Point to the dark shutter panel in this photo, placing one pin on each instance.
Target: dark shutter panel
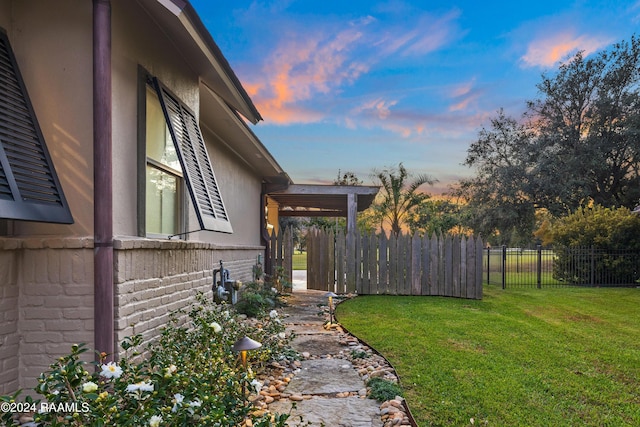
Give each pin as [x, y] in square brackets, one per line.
[194, 159]
[29, 187]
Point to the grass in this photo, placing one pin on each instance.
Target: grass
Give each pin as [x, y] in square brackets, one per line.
[525, 357]
[300, 261]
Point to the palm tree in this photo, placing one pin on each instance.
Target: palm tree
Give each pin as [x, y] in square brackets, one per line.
[398, 198]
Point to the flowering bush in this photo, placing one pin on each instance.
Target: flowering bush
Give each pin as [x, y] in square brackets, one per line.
[190, 376]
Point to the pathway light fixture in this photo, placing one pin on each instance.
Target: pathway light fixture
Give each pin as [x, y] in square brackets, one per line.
[330, 295]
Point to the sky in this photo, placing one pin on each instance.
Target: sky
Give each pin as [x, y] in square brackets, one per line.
[360, 86]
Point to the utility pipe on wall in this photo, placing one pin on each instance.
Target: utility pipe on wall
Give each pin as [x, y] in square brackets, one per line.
[102, 181]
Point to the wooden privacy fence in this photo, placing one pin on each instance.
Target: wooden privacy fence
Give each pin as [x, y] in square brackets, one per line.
[397, 265]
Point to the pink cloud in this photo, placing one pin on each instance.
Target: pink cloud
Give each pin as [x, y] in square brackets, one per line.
[549, 50]
[301, 68]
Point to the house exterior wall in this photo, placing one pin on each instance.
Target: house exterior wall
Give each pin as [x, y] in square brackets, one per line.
[46, 295]
[155, 278]
[46, 270]
[9, 336]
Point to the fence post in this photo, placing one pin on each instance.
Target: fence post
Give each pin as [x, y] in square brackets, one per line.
[488, 264]
[593, 267]
[539, 267]
[504, 266]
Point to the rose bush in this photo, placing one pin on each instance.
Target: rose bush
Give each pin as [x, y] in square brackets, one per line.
[190, 376]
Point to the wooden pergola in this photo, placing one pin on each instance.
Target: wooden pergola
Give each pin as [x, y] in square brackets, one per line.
[304, 200]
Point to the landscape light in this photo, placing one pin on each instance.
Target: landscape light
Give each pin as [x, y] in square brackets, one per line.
[243, 345]
[330, 295]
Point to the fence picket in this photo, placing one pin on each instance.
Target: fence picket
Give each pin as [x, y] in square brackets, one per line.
[448, 266]
[416, 256]
[393, 264]
[455, 266]
[435, 264]
[384, 267]
[373, 263]
[425, 266]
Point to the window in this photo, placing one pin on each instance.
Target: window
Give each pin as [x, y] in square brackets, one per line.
[163, 173]
[29, 186]
[176, 156]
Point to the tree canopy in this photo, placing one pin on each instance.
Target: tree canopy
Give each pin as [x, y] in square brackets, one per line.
[577, 144]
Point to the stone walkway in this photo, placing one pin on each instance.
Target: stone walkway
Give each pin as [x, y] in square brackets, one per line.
[328, 386]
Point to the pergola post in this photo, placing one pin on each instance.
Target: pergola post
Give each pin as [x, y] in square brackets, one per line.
[352, 209]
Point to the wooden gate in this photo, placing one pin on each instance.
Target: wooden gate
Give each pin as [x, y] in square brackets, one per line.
[396, 265]
[280, 253]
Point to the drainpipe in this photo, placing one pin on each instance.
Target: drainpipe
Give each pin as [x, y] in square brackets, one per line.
[103, 288]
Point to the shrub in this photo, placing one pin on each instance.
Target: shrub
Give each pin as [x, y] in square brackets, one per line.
[257, 298]
[190, 377]
[600, 228]
[383, 390]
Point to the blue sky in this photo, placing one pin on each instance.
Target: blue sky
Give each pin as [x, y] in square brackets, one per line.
[357, 85]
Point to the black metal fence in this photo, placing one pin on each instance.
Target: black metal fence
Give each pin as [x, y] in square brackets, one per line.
[558, 267]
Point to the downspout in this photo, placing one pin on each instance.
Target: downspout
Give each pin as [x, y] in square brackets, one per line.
[103, 288]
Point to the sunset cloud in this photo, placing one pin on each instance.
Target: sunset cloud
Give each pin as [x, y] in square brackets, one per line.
[546, 52]
[301, 68]
[314, 63]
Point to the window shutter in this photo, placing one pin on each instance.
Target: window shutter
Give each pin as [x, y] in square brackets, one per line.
[195, 162]
[29, 186]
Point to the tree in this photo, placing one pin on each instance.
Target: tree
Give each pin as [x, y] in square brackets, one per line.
[576, 145]
[398, 197]
[498, 203]
[434, 216]
[587, 126]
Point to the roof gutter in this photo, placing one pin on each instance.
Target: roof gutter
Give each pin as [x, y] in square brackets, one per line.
[103, 288]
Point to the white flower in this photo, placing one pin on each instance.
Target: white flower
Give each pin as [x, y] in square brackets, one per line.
[273, 314]
[111, 370]
[472, 421]
[282, 335]
[195, 403]
[177, 401]
[89, 387]
[155, 421]
[141, 386]
[226, 314]
[215, 326]
[274, 290]
[257, 385]
[168, 372]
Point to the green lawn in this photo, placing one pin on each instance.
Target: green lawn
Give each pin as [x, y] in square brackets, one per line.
[299, 261]
[520, 357]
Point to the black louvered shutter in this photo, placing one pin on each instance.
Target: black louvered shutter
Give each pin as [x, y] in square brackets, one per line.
[29, 187]
[194, 159]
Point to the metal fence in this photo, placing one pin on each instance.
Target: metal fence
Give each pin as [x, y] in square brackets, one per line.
[559, 267]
